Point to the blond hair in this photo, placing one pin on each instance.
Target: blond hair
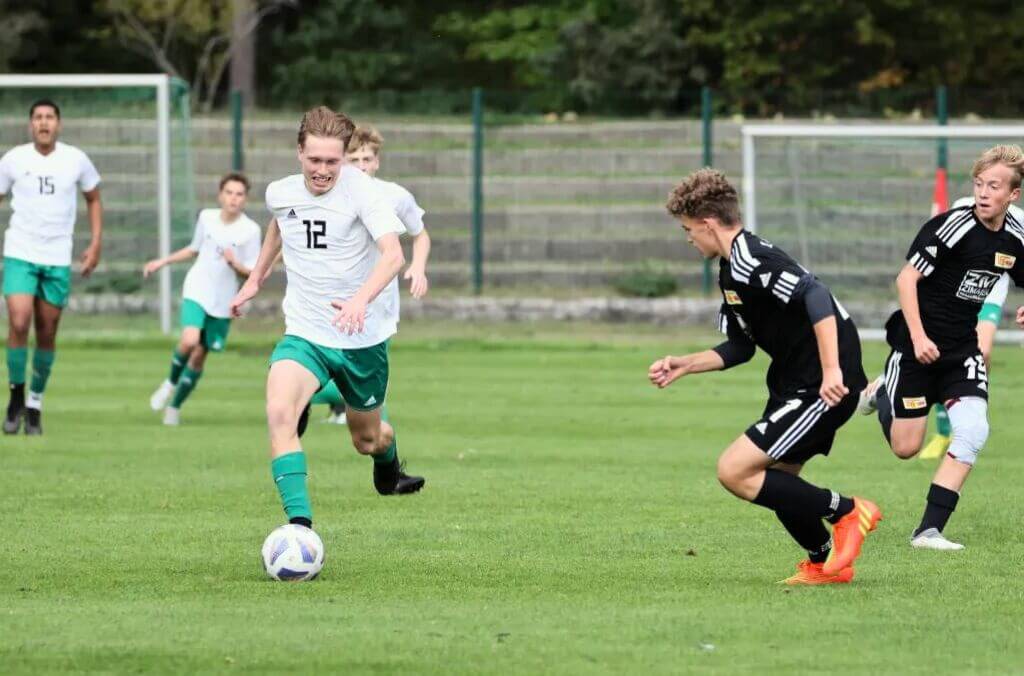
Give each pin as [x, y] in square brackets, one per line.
[325, 123]
[705, 193]
[366, 137]
[1010, 156]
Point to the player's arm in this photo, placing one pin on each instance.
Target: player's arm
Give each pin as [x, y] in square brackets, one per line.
[182, 254]
[735, 350]
[351, 313]
[925, 350]
[416, 273]
[990, 315]
[261, 270]
[91, 255]
[240, 269]
[821, 312]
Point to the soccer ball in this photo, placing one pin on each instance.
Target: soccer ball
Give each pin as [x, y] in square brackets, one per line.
[293, 553]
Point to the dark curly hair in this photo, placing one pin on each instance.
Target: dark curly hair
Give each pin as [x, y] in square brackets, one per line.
[705, 193]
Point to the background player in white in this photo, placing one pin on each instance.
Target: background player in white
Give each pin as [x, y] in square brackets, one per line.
[340, 243]
[44, 178]
[226, 245]
[364, 154]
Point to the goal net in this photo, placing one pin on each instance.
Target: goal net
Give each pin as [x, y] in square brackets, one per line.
[135, 128]
[847, 200]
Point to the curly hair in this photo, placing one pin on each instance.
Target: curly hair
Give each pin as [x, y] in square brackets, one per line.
[1008, 155]
[325, 123]
[705, 193]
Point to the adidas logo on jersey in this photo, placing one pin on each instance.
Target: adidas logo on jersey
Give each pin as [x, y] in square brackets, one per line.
[371, 401]
[933, 251]
[761, 427]
[765, 278]
[291, 213]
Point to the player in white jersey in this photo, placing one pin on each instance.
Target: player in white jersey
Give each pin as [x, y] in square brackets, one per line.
[340, 243]
[989, 316]
[225, 245]
[44, 178]
[364, 154]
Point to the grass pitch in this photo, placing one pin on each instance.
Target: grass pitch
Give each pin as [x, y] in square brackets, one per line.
[571, 523]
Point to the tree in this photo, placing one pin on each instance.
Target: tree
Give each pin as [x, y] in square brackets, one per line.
[18, 23]
[189, 39]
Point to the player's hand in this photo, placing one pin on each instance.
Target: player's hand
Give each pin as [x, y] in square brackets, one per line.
[925, 351]
[664, 372]
[151, 267]
[90, 259]
[832, 388]
[1020, 317]
[350, 316]
[244, 295]
[418, 284]
[229, 257]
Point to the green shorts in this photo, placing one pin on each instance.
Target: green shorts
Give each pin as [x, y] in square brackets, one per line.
[213, 330]
[990, 312]
[52, 283]
[360, 374]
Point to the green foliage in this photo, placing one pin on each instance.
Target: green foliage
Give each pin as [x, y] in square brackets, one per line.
[647, 281]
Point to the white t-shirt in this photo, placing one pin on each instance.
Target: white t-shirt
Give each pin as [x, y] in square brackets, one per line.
[329, 251]
[210, 281]
[997, 296]
[44, 191]
[411, 215]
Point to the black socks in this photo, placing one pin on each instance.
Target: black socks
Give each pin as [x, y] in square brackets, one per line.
[941, 503]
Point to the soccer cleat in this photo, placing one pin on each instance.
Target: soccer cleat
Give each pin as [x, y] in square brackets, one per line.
[389, 479]
[810, 573]
[33, 422]
[868, 401]
[849, 533]
[172, 416]
[15, 410]
[159, 398]
[337, 415]
[936, 448]
[932, 538]
[303, 423]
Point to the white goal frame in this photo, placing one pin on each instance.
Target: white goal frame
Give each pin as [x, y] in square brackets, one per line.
[751, 132]
[161, 84]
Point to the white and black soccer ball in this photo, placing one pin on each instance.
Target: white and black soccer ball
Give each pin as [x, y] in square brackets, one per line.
[293, 553]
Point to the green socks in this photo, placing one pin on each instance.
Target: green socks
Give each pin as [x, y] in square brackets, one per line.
[942, 425]
[188, 381]
[42, 362]
[328, 394]
[16, 360]
[178, 361]
[289, 472]
[392, 452]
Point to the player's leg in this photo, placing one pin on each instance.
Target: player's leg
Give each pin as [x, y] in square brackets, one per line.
[901, 401]
[331, 395]
[362, 379]
[290, 384]
[187, 383]
[46, 316]
[193, 318]
[937, 445]
[19, 322]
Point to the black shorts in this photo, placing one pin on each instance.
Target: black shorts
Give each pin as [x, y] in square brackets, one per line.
[796, 428]
[912, 387]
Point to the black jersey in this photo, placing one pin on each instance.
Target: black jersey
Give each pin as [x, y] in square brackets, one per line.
[960, 260]
[763, 293]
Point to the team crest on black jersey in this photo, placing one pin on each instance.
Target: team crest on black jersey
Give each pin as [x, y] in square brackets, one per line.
[732, 298]
[1005, 261]
[976, 285]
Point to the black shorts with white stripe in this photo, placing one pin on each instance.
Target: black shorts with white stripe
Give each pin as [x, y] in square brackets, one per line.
[912, 387]
[799, 426]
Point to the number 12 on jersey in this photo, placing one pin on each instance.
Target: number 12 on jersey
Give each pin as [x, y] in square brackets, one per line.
[314, 231]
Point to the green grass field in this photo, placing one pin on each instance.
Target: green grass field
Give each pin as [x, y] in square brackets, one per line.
[571, 523]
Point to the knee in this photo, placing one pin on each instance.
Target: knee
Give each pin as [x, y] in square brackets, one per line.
[905, 449]
[365, 443]
[188, 343]
[281, 415]
[728, 475]
[969, 434]
[19, 325]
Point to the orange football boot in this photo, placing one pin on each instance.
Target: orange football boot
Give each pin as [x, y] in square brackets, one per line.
[811, 573]
[849, 534]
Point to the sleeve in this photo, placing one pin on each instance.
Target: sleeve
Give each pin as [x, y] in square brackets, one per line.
[772, 270]
[997, 296]
[374, 210]
[1016, 273]
[410, 213]
[198, 235]
[250, 251]
[936, 238]
[739, 348]
[6, 178]
[88, 177]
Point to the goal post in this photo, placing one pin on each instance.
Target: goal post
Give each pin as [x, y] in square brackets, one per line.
[846, 200]
[121, 118]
